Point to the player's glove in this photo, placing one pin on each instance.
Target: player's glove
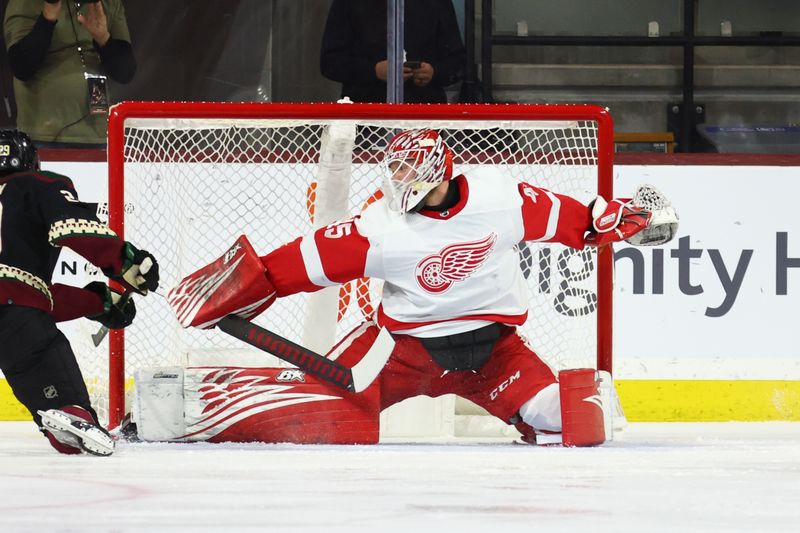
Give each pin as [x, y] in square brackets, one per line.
[615, 221]
[116, 314]
[648, 219]
[139, 269]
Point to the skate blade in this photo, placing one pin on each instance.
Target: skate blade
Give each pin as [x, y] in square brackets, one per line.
[90, 438]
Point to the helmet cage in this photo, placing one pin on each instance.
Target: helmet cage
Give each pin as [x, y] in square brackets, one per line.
[416, 162]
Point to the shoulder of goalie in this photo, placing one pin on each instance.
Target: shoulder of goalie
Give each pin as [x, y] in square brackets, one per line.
[235, 404]
[235, 284]
[647, 219]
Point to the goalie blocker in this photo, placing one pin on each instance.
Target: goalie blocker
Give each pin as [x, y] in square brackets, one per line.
[208, 295]
[235, 288]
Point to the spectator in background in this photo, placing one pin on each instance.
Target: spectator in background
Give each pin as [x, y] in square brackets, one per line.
[61, 53]
[354, 49]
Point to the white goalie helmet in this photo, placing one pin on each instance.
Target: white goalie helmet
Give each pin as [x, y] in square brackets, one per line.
[415, 162]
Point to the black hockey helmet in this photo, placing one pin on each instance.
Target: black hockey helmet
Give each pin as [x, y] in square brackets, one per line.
[17, 152]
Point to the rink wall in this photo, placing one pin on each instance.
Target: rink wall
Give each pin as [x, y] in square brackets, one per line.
[705, 327]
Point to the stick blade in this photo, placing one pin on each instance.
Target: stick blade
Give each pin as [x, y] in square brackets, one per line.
[98, 337]
[365, 372]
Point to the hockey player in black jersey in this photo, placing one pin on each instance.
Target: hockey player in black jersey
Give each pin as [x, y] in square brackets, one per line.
[39, 214]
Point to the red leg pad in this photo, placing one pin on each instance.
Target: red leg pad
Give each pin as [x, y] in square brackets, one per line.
[276, 405]
[581, 408]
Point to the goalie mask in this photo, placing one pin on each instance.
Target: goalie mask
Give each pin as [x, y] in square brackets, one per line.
[17, 152]
[416, 162]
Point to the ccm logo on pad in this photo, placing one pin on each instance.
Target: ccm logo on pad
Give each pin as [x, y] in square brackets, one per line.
[504, 385]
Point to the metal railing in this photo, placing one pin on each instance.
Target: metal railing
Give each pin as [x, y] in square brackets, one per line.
[687, 111]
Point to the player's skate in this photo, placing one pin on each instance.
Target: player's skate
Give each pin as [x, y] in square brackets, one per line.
[71, 429]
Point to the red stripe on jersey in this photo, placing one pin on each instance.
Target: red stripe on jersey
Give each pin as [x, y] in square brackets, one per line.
[104, 251]
[397, 325]
[13, 292]
[286, 271]
[45, 177]
[463, 191]
[70, 302]
[574, 218]
[52, 177]
[342, 251]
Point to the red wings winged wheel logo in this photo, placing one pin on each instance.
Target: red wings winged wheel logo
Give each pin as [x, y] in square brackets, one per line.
[456, 262]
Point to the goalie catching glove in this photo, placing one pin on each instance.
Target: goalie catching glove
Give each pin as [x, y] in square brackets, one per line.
[116, 313]
[648, 219]
[235, 284]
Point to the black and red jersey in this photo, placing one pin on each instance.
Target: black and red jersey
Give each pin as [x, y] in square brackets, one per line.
[39, 213]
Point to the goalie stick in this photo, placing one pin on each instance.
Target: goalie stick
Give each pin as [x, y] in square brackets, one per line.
[354, 379]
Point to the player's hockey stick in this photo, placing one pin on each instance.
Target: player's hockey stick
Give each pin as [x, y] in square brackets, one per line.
[354, 379]
[101, 333]
[143, 268]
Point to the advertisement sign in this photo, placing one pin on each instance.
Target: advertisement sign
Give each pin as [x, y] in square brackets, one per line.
[720, 301]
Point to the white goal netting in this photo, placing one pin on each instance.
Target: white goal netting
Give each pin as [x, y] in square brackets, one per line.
[193, 185]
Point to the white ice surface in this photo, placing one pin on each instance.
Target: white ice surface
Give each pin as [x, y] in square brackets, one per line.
[654, 477]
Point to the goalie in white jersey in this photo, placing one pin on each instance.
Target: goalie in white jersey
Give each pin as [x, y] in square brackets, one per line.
[453, 289]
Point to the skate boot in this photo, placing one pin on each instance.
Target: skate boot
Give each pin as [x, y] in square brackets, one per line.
[72, 430]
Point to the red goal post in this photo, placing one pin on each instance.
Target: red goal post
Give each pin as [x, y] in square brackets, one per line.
[186, 178]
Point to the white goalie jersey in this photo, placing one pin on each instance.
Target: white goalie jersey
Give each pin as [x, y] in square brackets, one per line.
[444, 272]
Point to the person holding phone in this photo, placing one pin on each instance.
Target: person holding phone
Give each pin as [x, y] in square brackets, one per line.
[62, 53]
[354, 50]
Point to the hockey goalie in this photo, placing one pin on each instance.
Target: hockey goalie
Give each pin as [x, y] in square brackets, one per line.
[444, 245]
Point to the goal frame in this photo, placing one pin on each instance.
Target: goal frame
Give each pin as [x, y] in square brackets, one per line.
[454, 112]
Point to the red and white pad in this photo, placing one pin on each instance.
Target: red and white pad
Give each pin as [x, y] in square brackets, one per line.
[582, 422]
[227, 404]
[234, 284]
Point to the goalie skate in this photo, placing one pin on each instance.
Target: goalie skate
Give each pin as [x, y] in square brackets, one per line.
[73, 431]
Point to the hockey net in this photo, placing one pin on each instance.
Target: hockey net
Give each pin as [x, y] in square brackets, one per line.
[187, 179]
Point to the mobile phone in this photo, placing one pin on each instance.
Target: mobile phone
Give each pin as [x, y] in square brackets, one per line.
[413, 65]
